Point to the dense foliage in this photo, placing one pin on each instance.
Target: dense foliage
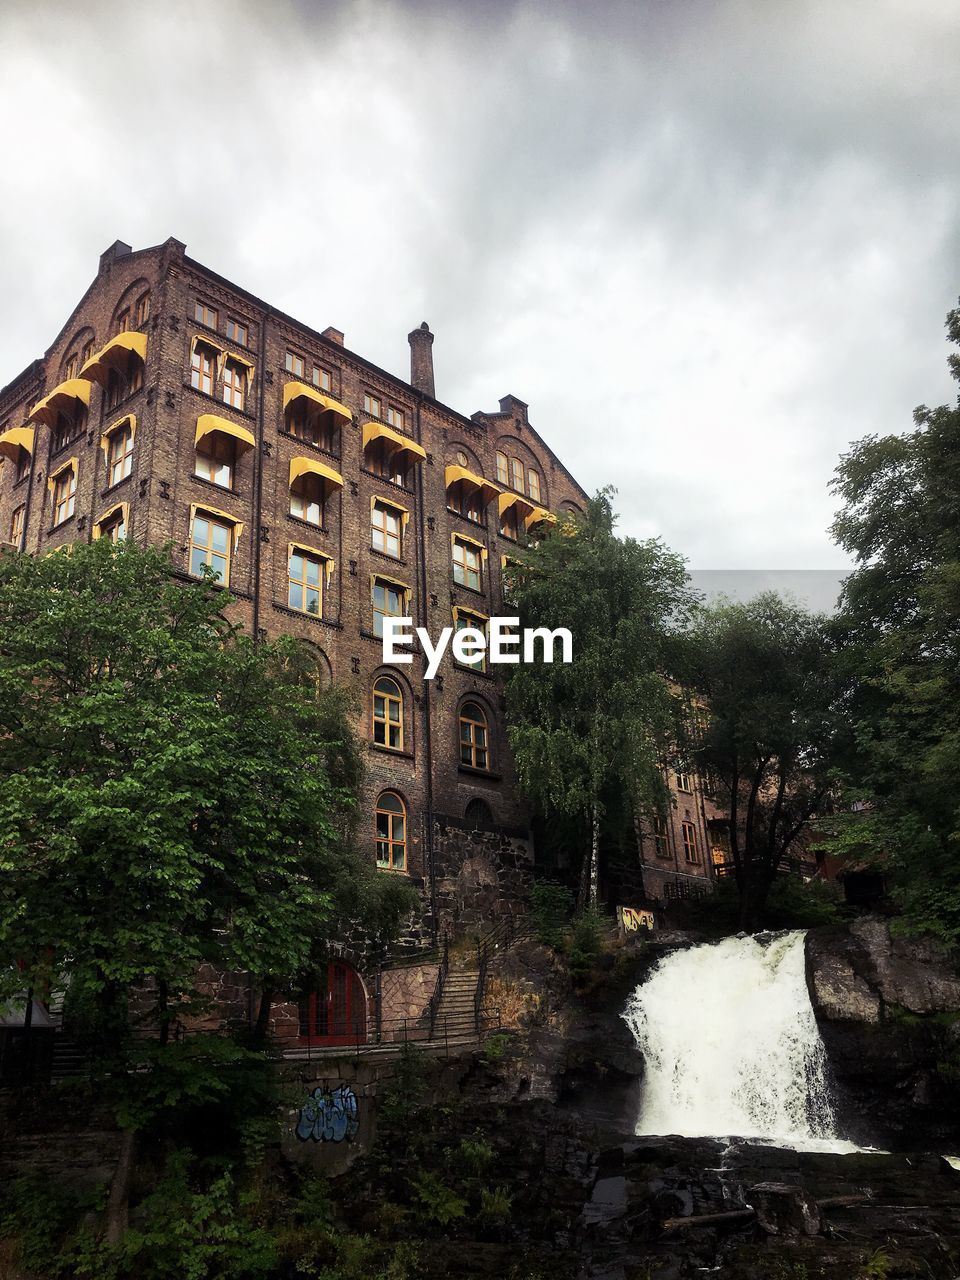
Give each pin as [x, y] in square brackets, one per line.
[900, 626]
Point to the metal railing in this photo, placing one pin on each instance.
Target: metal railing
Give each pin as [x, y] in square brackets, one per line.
[442, 971]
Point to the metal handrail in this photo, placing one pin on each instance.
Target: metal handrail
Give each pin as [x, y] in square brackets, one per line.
[442, 971]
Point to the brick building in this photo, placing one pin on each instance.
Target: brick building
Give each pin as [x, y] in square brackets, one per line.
[175, 407]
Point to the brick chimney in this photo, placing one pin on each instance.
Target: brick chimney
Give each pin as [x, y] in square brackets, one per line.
[421, 360]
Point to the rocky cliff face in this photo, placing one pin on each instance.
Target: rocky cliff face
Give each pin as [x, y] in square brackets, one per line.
[889, 1013]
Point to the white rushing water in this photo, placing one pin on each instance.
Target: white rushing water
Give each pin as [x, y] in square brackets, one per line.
[732, 1047]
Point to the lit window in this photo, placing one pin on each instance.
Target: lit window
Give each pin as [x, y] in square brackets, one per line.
[389, 601]
[64, 495]
[305, 589]
[119, 455]
[143, 310]
[216, 458]
[210, 544]
[533, 484]
[395, 417]
[503, 473]
[123, 320]
[306, 499]
[113, 528]
[516, 467]
[237, 332]
[321, 378]
[473, 736]
[16, 524]
[391, 832]
[203, 364]
[465, 620]
[388, 714]
[371, 405]
[385, 529]
[294, 364]
[208, 316]
[691, 844]
[234, 384]
[467, 561]
[660, 837]
[683, 781]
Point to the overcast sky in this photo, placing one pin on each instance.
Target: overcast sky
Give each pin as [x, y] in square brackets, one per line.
[709, 243]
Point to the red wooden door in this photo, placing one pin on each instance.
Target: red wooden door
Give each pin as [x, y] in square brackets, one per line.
[336, 1011]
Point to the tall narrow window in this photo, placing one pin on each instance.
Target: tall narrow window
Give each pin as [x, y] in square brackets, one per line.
[119, 455]
[321, 378]
[64, 495]
[86, 352]
[389, 600]
[306, 499]
[691, 843]
[206, 315]
[533, 484]
[465, 620]
[660, 837]
[395, 417]
[510, 524]
[386, 524]
[143, 310]
[391, 832]
[234, 384]
[210, 544]
[503, 472]
[467, 564]
[305, 582]
[70, 369]
[123, 320]
[203, 365]
[388, 714]
[216, 459]
[683, 781]
[21, 467]
[516, 468]
[237, 332]
[473, 737]
[16, 524]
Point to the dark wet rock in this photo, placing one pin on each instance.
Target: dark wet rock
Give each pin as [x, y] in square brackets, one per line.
[785, 1209]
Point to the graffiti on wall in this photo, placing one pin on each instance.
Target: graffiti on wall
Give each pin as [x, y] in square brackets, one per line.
[329, 1117]
[632, 920]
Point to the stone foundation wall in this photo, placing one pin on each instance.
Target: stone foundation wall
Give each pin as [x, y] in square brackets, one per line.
[481, 876]
[405, 994]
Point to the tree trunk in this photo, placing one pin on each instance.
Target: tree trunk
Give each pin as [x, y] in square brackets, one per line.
[594, 858]
[118, 1201]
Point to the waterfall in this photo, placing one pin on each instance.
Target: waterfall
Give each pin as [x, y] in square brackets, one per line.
[731, 1045]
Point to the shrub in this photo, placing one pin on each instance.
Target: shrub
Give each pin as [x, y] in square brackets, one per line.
[551, 906]
[436, 1201]
[585, 944]
[495, 1206]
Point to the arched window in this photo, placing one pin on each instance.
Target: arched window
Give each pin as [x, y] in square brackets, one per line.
[477, 815]
[391, 832]
[388, 714]
[473, 737]
[335, 1011]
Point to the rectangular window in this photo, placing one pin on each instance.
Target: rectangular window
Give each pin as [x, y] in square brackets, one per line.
[691, 844]
[386, 524]
[321, 378]
[143, 310]
[16, 524]
[660, 837]
[64, 495]
[395, 417]
[210, 544]
[389, 601]
[371, 405]
[683, 781]
[467, 564]
[516, 467]
[208, 316]
[509, 524]
[234, 384]
[465, 620]
[86, 353]
[21, 468]
[123, 320]
[503, 473]
[70, 369]
[202, 368]
[119, 455]
[237, 332]
[305, 589]
[294, 364]
[114, 529]
[533, 484]
[215, 459]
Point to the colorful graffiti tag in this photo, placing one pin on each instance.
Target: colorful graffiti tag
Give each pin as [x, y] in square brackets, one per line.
[633, 920]
[329, 1117]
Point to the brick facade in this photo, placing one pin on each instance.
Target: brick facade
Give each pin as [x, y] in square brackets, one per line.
[163, 490]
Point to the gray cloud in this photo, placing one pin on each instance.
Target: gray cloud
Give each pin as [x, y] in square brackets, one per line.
[710, 243]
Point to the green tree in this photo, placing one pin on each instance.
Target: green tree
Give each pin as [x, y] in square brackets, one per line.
[900, 626]
[586, 733]
[760, 724]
